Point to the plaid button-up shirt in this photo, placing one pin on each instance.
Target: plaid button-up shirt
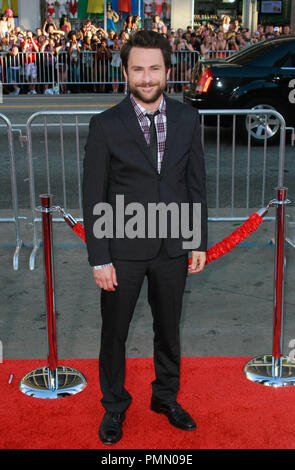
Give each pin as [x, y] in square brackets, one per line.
[160, 123]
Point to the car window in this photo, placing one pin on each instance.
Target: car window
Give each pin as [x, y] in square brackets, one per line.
[253, 53]
[287, 61]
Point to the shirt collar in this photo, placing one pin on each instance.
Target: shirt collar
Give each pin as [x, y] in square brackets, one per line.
[140, 110]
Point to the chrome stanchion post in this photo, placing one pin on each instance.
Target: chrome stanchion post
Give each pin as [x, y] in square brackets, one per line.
[46, 209]
[279, 283]
[52, 381]
[275, 369]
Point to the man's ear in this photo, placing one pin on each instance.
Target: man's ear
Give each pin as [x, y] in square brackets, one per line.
[168, 73]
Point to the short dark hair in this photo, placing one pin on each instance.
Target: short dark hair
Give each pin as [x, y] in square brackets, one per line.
[147, 39]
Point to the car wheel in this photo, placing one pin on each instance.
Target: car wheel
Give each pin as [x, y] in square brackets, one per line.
[261, 126]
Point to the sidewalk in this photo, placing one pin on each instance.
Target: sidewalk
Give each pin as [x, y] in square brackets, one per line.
[227, 310]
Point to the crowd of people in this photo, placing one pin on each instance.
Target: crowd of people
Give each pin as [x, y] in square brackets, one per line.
[88, 59]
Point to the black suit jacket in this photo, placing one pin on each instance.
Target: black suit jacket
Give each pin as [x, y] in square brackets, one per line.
[118, 162]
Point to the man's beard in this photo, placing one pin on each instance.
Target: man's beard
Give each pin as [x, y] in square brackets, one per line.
[135, 90]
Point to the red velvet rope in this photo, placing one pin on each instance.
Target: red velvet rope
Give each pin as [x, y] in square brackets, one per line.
[215, 251]
[236, 237]
[79, 230]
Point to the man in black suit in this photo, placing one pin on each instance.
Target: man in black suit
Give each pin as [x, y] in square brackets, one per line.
[145, 150]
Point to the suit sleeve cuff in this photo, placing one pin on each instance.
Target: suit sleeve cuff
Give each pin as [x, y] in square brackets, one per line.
[102, 266]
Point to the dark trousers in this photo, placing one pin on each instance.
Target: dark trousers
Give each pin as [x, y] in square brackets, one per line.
[166, 281]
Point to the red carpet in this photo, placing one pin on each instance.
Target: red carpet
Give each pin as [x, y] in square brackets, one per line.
[231, 412]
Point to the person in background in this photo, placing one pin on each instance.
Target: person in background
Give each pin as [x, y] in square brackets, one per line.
[86, 65]
[232, 44]
[74, 52]
[183, 61]
[115, 64]
[240, 40]
[110, 38]
[128, 25]
[13, 72]
[3, 27]
[49, 49]
[195, 42]
[136, 20]
[4, 44]
[62, 65]
[231, 31]
[102, 59]
[246, 37]
[225, 23]
[49, 20]
[123, 37]
[179, 33]
[172, 40]
[159, 25]
[286, 30]
[269, 29]
[220, 44]
[38, 33]
[12, 41]
[29, 46]
[236, 25]
[64, 24]
[207, 45]
[10, 20]
[49, 28]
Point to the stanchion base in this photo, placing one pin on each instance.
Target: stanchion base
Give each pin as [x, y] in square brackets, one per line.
[272, 372]
[45, 383]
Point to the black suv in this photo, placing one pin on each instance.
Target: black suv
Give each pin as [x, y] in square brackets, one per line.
[260, 76]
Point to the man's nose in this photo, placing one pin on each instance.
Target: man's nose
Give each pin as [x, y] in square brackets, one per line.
[146, 75]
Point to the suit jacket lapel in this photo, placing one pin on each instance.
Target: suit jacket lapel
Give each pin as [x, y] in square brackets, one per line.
[130, 121]
[171, 132]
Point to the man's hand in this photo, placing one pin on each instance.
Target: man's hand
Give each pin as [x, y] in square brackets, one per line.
[106, 278]
[198, 262]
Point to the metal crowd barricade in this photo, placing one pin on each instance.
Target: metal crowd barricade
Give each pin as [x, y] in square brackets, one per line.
[91, 68]
[86, 68]
[13, 210]
[274, 369]
[218, 54]
[66, 151]
[27, 68]
[68, 158]
[236, 113]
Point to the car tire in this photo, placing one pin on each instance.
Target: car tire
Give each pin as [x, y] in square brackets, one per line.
[258, 124]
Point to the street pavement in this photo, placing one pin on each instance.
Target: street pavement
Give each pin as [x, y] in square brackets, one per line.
[228, 309]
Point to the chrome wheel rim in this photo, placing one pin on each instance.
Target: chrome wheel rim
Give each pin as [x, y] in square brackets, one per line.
[262, 126]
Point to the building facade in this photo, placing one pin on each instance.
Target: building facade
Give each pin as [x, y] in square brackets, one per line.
[176, 13]
[268, 12]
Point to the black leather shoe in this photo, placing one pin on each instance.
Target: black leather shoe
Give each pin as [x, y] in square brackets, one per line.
[110, 430]
[177, 416]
